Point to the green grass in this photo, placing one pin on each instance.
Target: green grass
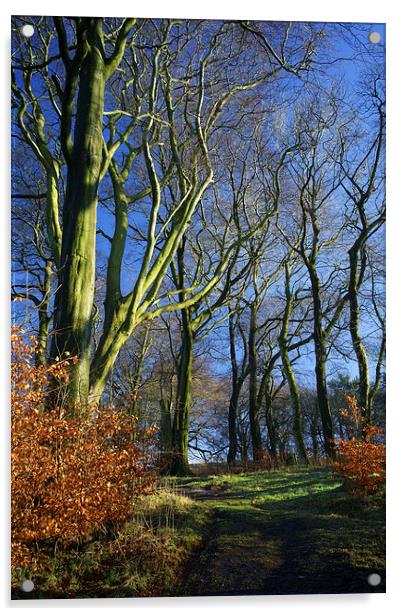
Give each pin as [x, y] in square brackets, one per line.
[143, 557]
[288, 531]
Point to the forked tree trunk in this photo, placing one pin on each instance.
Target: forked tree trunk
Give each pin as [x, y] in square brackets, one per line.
[289, 374]
[320, 366]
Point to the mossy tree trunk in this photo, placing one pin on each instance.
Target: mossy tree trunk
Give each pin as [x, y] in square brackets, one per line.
[232, 425]
[255, 431]
[180, 465]
[310, 254]
[165, 426]
[358, 265]
[360, 191]
[44, 318]
[234, 397]
[87, 73]
[321, 366]
[74, 303]
[239, 373]
[288, 370]
[271, 428]
[358, 346]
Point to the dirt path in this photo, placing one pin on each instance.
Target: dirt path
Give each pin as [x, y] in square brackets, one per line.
[287, 535]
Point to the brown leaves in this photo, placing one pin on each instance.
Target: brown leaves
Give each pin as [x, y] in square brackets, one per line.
[68, 477]
[360, 460]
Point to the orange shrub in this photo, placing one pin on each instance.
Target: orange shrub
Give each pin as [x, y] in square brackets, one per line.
[360, 460]
[69, 477]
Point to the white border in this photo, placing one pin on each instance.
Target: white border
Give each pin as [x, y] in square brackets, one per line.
[340, 10]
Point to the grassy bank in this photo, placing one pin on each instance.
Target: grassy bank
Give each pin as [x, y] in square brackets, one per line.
[143, 557]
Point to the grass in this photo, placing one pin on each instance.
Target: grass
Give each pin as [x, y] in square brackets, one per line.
[143, 557]
[289, 531]
[286, 532]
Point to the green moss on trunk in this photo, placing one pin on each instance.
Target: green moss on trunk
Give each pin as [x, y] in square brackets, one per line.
[74, 302]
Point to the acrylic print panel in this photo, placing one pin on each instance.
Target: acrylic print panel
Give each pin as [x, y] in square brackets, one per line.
[198, 381]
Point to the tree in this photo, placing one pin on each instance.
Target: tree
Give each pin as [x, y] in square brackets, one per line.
[239, 372]
[287, 369]
[316, 184]
[362, 179]
[123, 97]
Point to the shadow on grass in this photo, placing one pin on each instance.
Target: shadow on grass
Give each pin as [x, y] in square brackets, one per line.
[290, 539]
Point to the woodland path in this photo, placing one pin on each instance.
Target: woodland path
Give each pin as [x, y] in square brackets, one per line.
[294, 532]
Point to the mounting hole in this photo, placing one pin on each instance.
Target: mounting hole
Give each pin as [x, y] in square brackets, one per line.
[374, 37]
[27, 30]
[374, 579]
[27, 586]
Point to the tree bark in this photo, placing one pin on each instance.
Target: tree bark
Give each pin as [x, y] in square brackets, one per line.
[165, 438]
[234, 398]
[320, 365]
[360, 352]
[44, 319]
[255, 431]
[288, 370]
[271, 429]
[180, 465]
[232, 420]
[75, 296]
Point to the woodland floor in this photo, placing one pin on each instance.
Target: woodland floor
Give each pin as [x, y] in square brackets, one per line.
[291, 531]
[284, 532]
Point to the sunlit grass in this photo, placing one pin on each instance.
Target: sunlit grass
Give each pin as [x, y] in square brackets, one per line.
[237, 529]
[262, 517]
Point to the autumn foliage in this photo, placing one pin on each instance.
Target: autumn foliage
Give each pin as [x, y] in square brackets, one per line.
[361, 458]
[69, 477]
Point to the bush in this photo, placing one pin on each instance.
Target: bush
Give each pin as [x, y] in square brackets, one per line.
[360, 460]
[69, 477]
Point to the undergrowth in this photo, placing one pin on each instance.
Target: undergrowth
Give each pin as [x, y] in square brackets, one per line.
[142, 557]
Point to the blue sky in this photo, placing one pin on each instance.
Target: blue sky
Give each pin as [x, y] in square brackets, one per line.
[350, 71]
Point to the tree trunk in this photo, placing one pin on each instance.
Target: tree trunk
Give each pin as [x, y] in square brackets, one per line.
[138, 371]
[296, 405]
[323, 398]
[360, 352]
[44, 319]
[253, 406]
[234, 398]
[180, 465]
[289, 374]
[320, 366]
[74, 301]
[314, 435]
[271, 429]
[165, 431]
